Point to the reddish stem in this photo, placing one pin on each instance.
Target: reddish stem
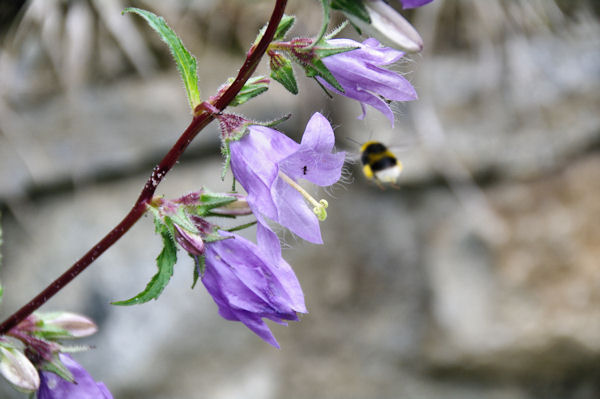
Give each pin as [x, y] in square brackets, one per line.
[199, 122]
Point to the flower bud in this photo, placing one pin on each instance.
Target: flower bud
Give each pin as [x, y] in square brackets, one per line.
[388, 24]
[238, 207]
[75, 325]
[18, 370]
[190, 242]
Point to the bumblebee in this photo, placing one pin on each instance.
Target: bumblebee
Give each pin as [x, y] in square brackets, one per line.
[379, 163]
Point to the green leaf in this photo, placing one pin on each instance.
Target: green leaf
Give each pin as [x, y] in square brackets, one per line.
[186, 63]
[252, 88]
[287, 21]
[165, 262]
[352, 7]
[282, 71]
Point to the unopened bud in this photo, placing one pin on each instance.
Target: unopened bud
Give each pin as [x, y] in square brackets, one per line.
[190, 242]
[75, 325]
[238, 207]
[18, 370]
[388, 24]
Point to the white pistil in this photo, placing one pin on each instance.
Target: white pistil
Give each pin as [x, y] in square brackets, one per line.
[319, 207]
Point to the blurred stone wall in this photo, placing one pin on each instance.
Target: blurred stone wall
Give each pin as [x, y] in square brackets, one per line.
[479, 277]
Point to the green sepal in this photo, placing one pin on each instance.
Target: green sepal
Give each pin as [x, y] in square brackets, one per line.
[51, 333]
[252, 88]
[282, 71]
[242, 226]
[286, 23]
[57, 367]
[276, 122]
[226, 152]
[182, 219]
[318, 68]
[165, 262]
[186, 63]
[199, 268]
[352, 7]
[324, 49]
[212, 200]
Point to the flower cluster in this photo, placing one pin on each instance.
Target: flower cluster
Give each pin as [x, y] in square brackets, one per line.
[250, 282]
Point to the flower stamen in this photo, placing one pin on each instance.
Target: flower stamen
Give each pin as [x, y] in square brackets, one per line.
[319, 206]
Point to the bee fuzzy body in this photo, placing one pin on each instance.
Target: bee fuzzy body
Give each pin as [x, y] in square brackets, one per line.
[379, 163]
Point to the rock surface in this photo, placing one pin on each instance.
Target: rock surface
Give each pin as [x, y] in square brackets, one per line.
[478, 278]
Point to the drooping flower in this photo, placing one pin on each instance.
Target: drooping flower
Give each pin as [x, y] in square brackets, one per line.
[54, 387]
[249, 282]
[360, 74]
[268, 165]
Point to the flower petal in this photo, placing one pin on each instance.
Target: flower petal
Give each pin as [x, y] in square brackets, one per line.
[318, 134]
[406, 4]
[54, 387]
[294, 213]
[269, 242]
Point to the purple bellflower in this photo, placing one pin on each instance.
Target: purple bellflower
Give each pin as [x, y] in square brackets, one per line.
[359, 72]
[54, 387]
[250, 282]
[268, 165]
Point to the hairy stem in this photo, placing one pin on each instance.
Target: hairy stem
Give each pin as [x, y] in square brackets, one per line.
[199, 122]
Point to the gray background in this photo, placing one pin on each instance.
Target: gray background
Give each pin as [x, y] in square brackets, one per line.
[478, 278]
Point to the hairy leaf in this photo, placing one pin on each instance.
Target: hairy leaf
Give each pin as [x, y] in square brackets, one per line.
[165, 262]
[186, 63]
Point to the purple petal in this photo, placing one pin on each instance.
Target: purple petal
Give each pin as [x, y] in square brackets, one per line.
[54, 387]
[258, 326]
[268, 242]
[318, 168]
[318, 134]
[369, 51]
[294, 213]
[406, 4]
[364, 97]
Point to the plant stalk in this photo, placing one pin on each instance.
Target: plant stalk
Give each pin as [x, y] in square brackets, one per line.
[199, 122]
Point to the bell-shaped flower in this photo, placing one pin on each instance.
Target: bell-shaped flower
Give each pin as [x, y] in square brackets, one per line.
[249, 282]
[360, 74]
[268, 165]
[84, 387]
